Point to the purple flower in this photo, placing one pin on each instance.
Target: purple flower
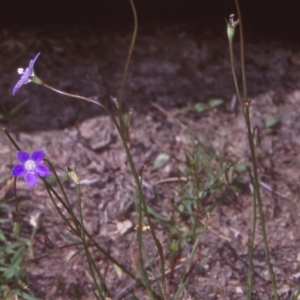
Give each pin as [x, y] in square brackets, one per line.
[31, 167]
[27, 75]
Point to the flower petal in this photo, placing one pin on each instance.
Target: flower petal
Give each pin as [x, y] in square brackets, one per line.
[18, 170]
[24, 80]
[31, 179]
[27, 74]
[32, 62]
[42, 170]
[37, 156]
[23, 156]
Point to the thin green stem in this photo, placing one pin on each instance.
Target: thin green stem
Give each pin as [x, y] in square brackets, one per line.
[90, 260]
[242, 47]
[198, 199]
[11, 139]
[16, 230]
[246, 113]
[259, 202]
[50, 190]
[35, 260]
[107, 255]
[100, 249]
[124, 142]
[184, 278]
[73, 95]
[251, 242]
[234, 76]
[144, 204]
[142, 271]
[132, 166]
[67, 204]
[133, 171]
[131, 47]
[121, 131]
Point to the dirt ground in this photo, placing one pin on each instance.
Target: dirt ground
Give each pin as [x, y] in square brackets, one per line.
[174, 66]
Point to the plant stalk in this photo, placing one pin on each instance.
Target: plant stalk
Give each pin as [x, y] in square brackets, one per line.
[246, 113]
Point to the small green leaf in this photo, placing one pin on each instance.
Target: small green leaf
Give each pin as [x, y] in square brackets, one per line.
[15, 263]
[16, 109]
[184, 110]
[271, 121]
[2, 237]
[52, 179]
[174, 246]
[161, 160]
[118, 270]
[125, 118]
[215, 102]
[27, 296]
[201, 107]
[4, 221]
[240, 168]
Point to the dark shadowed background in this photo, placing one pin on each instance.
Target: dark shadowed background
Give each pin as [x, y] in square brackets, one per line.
[278, 18]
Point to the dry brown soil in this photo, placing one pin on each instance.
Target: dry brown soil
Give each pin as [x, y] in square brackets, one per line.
[174, 66]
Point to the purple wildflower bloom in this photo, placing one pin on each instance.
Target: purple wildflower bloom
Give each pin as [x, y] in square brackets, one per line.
[27, 74]
[31, 167]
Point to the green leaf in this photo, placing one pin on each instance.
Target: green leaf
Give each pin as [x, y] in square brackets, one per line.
[2, 237]
[271, 121]
[215, 102]
[16, 109]
[161, 160]
[27, 296]
[15, 263]
[118, 270]
[52, 179]
[5, 220]
[201, 107]
[240, 168]
[125, 118]
[184, 110]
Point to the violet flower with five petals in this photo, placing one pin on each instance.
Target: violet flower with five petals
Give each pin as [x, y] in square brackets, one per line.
[27, 75]
[31, 167]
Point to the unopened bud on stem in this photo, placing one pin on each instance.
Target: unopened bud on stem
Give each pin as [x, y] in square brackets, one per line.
[231, 24]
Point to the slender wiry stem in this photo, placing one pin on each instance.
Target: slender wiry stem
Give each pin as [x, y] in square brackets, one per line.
[237, 89]
[35, 260]
[132, 166]
[100, 249]
[128, 154]
[198, 199]
[139, 207]
[131, 47]
[251, 242]
[133, 171]
[259, 202]
[91, 262]
[52, 192]
[242, 47]
[72, 95]
[16, 230]
[246, 113]
[11, 139]
[66, 203]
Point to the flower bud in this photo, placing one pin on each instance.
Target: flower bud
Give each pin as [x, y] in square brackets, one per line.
[231, 24]
[73, 174]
